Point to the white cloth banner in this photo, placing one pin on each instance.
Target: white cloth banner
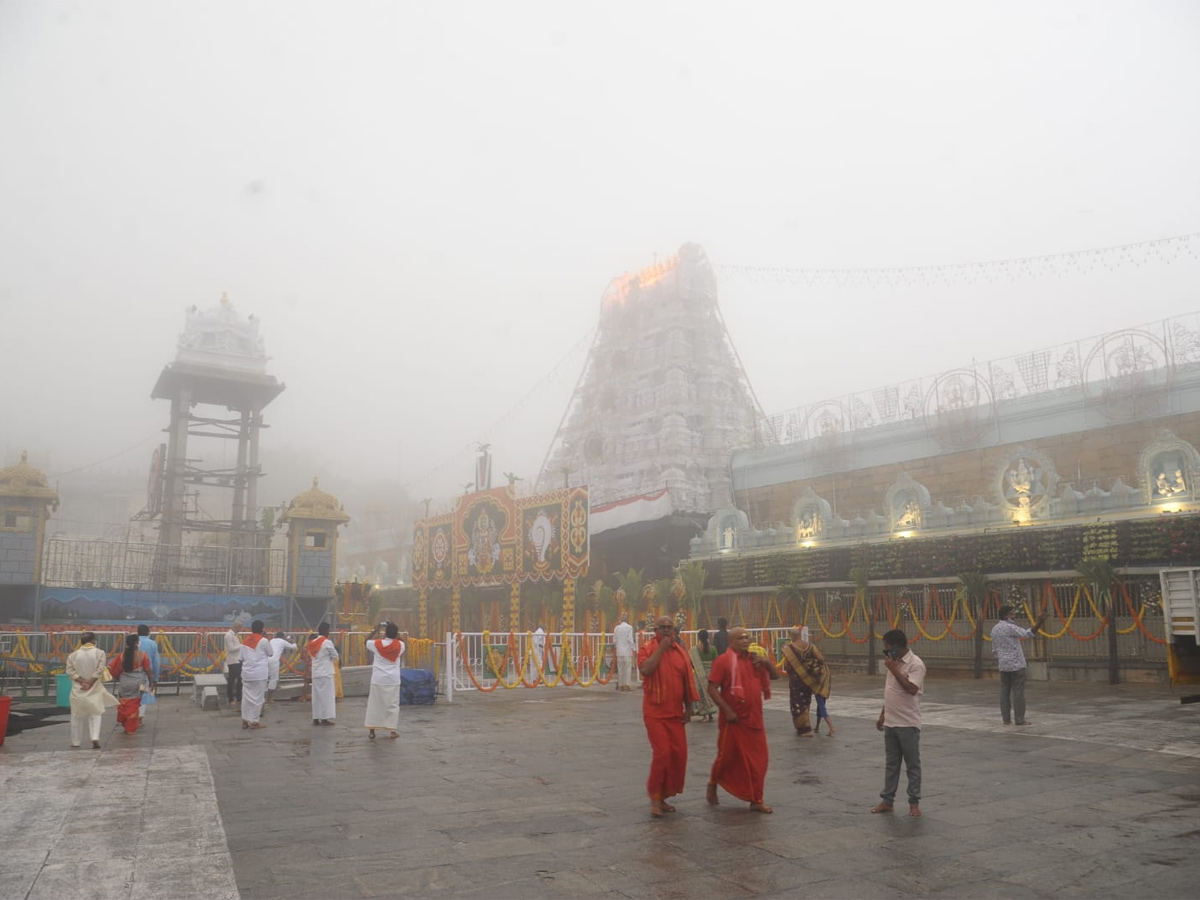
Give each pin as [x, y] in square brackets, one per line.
[643, 508]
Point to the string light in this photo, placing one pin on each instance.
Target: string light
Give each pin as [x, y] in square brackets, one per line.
[1162, 250]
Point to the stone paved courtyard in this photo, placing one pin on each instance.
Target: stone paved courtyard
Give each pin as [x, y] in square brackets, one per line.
[540, 794]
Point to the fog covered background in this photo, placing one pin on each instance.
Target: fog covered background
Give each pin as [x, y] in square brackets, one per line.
[423, 203]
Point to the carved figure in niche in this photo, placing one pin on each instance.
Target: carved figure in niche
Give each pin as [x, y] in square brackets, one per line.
[1169, 487]
[1161, 487]
[727, 537]
[911, 517]
[1024, 484]
[809, 525]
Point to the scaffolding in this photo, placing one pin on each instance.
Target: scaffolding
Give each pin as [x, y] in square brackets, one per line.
[132, 566]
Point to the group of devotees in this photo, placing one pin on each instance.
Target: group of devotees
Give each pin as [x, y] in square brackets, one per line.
[738, 681]
[739, 676]
[252, 666]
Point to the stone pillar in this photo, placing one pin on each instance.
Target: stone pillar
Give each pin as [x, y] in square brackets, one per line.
[455, 609]
[423, 614]
[568, 613]
[514, 606]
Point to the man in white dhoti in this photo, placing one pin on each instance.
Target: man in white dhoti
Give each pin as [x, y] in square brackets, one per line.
[625, 644]
[255, 653]
[383, 703]
[279, 644]
[86, 667]
[323, 656]
[538, 661]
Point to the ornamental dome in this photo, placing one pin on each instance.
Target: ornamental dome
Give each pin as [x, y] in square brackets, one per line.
[24, 481]
[316, 504]
[220, 337]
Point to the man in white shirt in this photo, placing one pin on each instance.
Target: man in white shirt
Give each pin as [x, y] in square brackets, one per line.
[86, 669]
[1006, 644]
[255, 653]
[625, 644]
[538, 663]
[323, 656]
[279, 644]
[233, 664]
[383, 703]
[900, 721]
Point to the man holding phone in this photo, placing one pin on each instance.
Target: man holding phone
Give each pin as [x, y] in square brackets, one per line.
[900, 721]
[1006, 644]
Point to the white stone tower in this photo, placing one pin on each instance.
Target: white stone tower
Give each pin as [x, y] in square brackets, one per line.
[662, 400]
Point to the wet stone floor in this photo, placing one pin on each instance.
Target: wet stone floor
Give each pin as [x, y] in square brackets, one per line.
[541, 794]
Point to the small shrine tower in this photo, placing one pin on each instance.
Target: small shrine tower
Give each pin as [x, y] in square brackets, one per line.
[313, 519]
[26, 500]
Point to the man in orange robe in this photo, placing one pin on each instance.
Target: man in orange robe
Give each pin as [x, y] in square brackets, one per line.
[737, 683]
[668, 690]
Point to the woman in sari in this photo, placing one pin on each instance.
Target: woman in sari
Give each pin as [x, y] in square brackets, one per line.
[134, 677]
[807, 675]
[703, 654]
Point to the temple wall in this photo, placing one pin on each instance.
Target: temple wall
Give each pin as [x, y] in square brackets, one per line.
[1097, 455]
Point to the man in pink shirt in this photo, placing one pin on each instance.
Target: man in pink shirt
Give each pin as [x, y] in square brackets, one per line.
[900, 721]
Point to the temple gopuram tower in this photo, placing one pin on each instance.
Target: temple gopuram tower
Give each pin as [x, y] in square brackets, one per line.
[313, 519]
[218, 387]
[661, 404]
[26, 500]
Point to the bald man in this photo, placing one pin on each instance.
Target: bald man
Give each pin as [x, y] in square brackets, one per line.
[668, 690]
[737, 683]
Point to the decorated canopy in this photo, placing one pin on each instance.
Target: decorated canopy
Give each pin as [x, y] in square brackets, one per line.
[492, 538]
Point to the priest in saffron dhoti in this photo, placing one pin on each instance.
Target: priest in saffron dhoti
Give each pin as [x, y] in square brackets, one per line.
[668, 690]
[383, 702]
[256, 670]
[737, 683]
[323, 656]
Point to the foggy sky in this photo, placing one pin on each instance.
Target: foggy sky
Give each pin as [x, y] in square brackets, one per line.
[423, 203]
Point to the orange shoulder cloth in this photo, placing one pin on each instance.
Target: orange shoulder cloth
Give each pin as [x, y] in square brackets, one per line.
[391, 652]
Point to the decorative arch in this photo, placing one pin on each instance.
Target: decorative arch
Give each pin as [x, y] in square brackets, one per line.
[1168, 468]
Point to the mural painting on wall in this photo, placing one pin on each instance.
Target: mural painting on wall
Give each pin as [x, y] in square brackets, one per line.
[484, 539]
[115, 607]
[1027, 480]
[493, 537]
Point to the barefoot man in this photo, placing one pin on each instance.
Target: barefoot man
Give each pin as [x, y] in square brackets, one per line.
[900, 721]
[668, 690]
[738, 682]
